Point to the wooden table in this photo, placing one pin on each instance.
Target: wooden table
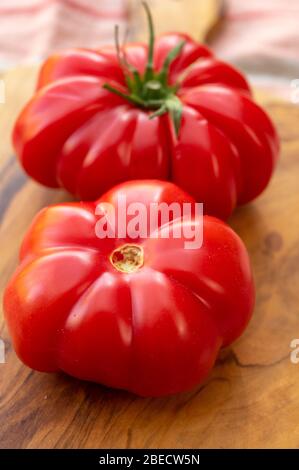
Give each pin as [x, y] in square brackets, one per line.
[250, 399]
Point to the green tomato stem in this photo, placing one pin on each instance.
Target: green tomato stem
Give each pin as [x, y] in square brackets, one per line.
[150, 91]
[149, 66]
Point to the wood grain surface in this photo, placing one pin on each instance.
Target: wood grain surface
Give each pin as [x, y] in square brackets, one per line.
[250, 399]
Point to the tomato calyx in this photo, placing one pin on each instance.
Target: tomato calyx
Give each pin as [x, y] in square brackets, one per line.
[128, 258]
[150, 90]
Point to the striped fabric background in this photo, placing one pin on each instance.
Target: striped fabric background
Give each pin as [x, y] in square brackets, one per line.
[31, 29]
[261, 35]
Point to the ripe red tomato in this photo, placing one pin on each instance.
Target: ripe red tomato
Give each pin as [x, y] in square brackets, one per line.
[144, 314]
[86, 138]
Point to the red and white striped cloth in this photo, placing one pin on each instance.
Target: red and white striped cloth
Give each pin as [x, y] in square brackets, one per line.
[262, 38]
[31, 29]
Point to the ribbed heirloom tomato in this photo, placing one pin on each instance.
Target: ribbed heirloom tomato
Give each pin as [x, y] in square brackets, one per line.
[169, 111]
[144, 314]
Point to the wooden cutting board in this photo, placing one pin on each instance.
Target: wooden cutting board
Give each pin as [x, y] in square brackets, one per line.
[249, 400]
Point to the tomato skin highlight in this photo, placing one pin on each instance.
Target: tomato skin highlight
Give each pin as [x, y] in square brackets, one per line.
[75, 134]
[154, 330]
